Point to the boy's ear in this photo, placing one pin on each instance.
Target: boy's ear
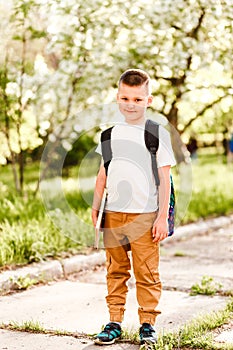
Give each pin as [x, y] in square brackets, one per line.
[117, 97]
[150, 99]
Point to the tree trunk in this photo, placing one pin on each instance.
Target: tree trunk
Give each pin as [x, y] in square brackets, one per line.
[179, 148]
[21, 170]
[14, 170]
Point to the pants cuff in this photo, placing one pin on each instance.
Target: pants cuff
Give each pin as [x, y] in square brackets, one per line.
[116, 317]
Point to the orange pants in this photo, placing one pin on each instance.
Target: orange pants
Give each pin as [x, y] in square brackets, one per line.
[124, 231]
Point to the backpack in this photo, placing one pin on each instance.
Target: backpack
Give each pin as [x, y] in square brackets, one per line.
[151, 136]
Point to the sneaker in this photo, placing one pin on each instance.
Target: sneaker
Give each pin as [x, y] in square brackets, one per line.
[147, 334]
[111, 332]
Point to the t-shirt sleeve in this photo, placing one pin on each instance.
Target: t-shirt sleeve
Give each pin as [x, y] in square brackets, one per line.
[165, 155]
[98, 149]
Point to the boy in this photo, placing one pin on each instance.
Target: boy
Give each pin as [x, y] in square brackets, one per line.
[133, 219]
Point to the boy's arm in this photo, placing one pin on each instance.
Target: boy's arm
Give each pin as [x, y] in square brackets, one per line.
[160, 227]
[98, 193]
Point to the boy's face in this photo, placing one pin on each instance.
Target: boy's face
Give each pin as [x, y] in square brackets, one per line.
[133, 102]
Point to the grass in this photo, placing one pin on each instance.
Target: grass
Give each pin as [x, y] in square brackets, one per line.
[30, 233]
[23, 282]
[180, 254]
[198, 333]
[27, 326]
[210, 195]
[207, 287]
[32, 326]
[32, 229]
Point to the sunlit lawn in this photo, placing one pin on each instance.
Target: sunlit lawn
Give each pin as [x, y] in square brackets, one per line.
[212, 189]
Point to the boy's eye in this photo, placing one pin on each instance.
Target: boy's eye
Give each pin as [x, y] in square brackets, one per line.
[126, 99]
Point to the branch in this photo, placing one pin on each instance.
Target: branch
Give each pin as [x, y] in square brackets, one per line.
[201, 113]
[178, 81]
[194, 32]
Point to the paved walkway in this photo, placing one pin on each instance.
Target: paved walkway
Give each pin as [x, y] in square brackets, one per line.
[77, 304]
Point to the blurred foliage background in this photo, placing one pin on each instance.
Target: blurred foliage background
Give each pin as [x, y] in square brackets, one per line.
[60, 58]
[59, 65]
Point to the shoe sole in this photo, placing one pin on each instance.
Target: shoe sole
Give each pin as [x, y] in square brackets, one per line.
[100, 342]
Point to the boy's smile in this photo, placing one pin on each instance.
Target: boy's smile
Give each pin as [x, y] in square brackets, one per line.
[133, 102]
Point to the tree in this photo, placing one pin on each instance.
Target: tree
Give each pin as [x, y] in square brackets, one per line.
[185, 45]
[67, 56]
[15, 95]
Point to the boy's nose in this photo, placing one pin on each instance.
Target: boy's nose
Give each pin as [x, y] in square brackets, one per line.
[130, 105]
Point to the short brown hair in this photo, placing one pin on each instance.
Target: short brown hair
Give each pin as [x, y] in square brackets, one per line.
[135, 77]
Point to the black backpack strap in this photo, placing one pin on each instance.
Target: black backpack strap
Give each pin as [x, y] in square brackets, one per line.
[152, 144]
[106, 147]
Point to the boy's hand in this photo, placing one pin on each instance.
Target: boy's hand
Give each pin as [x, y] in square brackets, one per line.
[94, 216]
[160, 230]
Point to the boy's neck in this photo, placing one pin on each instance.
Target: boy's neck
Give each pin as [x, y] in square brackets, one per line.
[140, 121]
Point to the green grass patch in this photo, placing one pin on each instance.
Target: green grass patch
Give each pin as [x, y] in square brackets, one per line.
[197, 334]
[32, 231]
[27, 326]
[207, 287]
[35, 240]
[23, 282]
[180, 254]
[212, 189]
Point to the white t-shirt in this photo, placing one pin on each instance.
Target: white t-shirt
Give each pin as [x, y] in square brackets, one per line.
[130, 181]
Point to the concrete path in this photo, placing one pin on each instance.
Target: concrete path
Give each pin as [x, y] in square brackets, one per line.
[77, 304]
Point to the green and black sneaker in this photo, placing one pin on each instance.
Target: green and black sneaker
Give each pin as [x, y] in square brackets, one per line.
[111, 332]
[147, 334]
